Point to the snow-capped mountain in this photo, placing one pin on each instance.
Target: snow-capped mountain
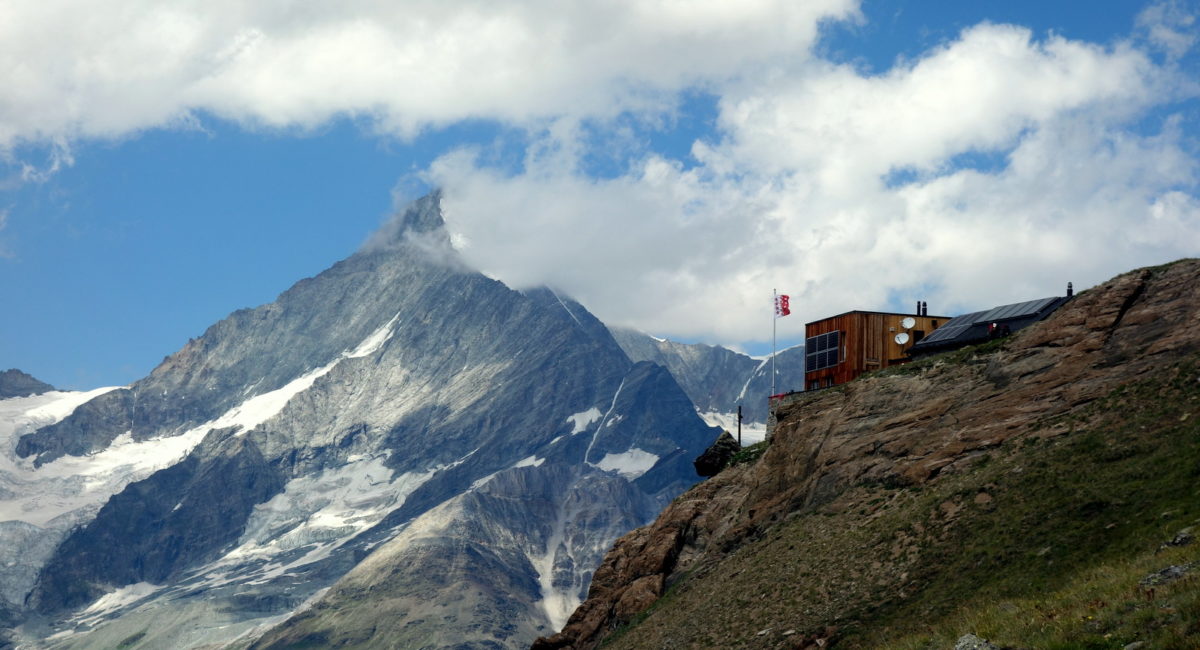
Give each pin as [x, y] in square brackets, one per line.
[718, 379]
[397, 451]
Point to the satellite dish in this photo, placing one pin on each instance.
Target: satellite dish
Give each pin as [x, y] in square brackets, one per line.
[908, 323]
[902, 338]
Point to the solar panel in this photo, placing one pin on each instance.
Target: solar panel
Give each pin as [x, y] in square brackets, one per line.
[1016, 310]
[822, 351]
[952, 328]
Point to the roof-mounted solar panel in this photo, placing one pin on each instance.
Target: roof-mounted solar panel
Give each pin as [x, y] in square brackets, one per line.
[1016, 310]
[952, 328]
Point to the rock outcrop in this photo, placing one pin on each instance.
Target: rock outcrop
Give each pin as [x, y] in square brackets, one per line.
[14, 383]
[901, 429]
[717, 456]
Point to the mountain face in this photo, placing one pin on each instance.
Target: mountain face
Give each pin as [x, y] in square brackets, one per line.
[718, 379]
[14, 383]
[398, 451]
[1039, 490]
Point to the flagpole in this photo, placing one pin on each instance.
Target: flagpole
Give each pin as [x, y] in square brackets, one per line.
[774, 325]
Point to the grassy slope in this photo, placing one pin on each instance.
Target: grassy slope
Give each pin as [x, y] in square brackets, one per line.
[1040, 544]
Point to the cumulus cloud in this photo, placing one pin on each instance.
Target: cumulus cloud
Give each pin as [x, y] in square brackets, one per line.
[140, 64]
[991, 168]
[1170, 26]
[799, 192]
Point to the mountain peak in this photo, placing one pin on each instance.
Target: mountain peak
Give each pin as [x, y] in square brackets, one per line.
[421, 220]
[14, 383]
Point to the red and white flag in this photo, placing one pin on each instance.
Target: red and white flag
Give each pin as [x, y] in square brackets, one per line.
[781, 306]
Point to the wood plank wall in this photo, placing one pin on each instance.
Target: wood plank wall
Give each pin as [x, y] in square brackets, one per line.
[868, 343]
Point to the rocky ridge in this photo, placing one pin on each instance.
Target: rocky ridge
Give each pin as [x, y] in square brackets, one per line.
[846, 461]
[14, 383]
[479, 447]
[718, 379]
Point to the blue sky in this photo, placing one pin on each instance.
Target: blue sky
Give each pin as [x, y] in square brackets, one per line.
[668, 164]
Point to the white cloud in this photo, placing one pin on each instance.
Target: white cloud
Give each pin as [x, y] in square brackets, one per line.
[845, 189]
[1169, 26]
[795, 194]
[139, 64]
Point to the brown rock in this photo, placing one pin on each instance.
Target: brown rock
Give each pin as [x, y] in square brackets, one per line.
[903, 429]
[638, 596]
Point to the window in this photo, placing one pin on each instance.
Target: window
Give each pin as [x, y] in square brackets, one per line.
[822, 351]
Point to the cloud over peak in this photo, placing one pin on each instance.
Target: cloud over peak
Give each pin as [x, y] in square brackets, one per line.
[993, 166]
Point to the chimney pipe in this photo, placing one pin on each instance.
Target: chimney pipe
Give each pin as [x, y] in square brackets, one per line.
[1070, 289]
[918, 308]
[924, 308]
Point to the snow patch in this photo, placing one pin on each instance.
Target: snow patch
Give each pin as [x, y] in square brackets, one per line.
[630, 464]
[752, 432]
[260, 408]
[746, 386]
[583, 419]
[480, 482]
[596, 434]
[60, 405]
[319, 513]
[330, 506]
[122, 597]
[375, 341]
[532, 461]
[73, 485]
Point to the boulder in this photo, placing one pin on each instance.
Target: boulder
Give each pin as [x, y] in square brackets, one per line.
[972, 642]
[716, 457]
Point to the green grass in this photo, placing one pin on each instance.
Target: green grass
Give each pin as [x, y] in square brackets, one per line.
[1100, 607]
[749, 454]
[1073, 517]
[967, 354]
[1105, 496]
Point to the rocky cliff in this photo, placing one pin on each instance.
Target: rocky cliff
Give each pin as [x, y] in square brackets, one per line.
[14, 383]
[474, 448]
[1019, 487]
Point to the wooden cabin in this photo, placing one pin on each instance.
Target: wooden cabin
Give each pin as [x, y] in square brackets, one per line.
[840, 348]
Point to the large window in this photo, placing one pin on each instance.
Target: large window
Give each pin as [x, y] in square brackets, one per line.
[822, 351]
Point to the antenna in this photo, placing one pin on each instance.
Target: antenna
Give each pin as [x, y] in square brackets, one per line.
[908, 322]
[901, 338]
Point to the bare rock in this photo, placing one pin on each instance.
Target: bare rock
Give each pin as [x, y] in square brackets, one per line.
[906, 429]
[972, 642]
[716, 457]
